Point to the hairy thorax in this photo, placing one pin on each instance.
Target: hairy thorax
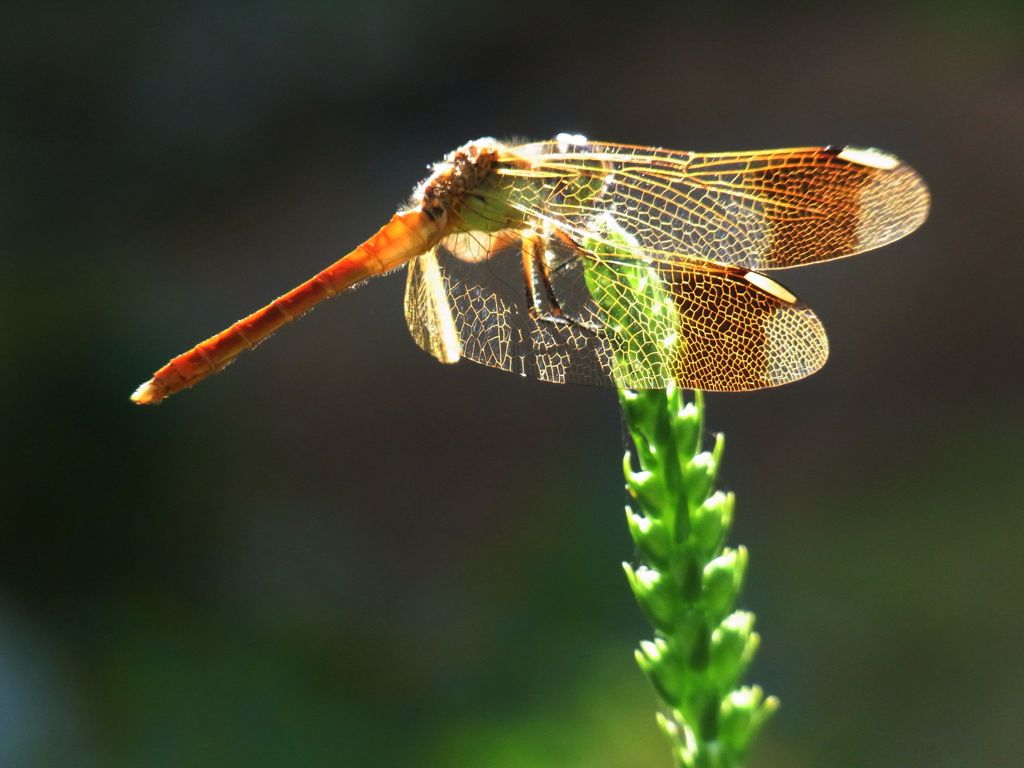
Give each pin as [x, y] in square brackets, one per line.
[465, 190]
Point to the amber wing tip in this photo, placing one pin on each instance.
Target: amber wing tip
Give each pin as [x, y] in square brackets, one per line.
[147, 394]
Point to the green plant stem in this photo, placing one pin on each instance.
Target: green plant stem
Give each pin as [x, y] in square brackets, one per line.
[687, 582]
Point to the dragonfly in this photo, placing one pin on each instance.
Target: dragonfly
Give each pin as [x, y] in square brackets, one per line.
[575, 261]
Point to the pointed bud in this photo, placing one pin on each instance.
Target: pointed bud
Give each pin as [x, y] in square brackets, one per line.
[699, 477]
[650, 537]
[741, 716]
[722, 580]
[650, 658]
[653, 594]
[647, 488]
[711, 521]
[733, 645]
[686, 424]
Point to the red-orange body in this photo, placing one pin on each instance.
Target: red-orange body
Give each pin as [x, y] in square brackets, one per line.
[434, 208]
[408, 234]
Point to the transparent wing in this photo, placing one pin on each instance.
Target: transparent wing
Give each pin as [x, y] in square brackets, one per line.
[759, 210]
[740, 330]
[624, 320]
[480, 309]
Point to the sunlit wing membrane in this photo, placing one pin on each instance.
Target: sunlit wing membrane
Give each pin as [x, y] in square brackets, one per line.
[740, 329]
[427, 311]
[722, 330]
[757, 210]
[491, 321]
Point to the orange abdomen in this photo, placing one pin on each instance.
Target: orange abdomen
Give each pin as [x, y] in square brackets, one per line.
[407, 235]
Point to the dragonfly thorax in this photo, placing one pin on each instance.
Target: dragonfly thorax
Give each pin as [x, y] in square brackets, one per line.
[453, 178]
[463, 188]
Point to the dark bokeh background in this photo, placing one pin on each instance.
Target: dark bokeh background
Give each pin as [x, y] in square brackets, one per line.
[343, 553]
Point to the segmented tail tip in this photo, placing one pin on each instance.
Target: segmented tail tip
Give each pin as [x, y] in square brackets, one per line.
[147, 394]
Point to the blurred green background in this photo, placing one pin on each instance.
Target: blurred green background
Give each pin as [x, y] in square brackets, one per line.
[342, 553]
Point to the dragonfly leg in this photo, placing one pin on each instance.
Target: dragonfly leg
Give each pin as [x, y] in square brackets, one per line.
[540, 296]
[532, 299]
[553, 266]
[543, 272]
